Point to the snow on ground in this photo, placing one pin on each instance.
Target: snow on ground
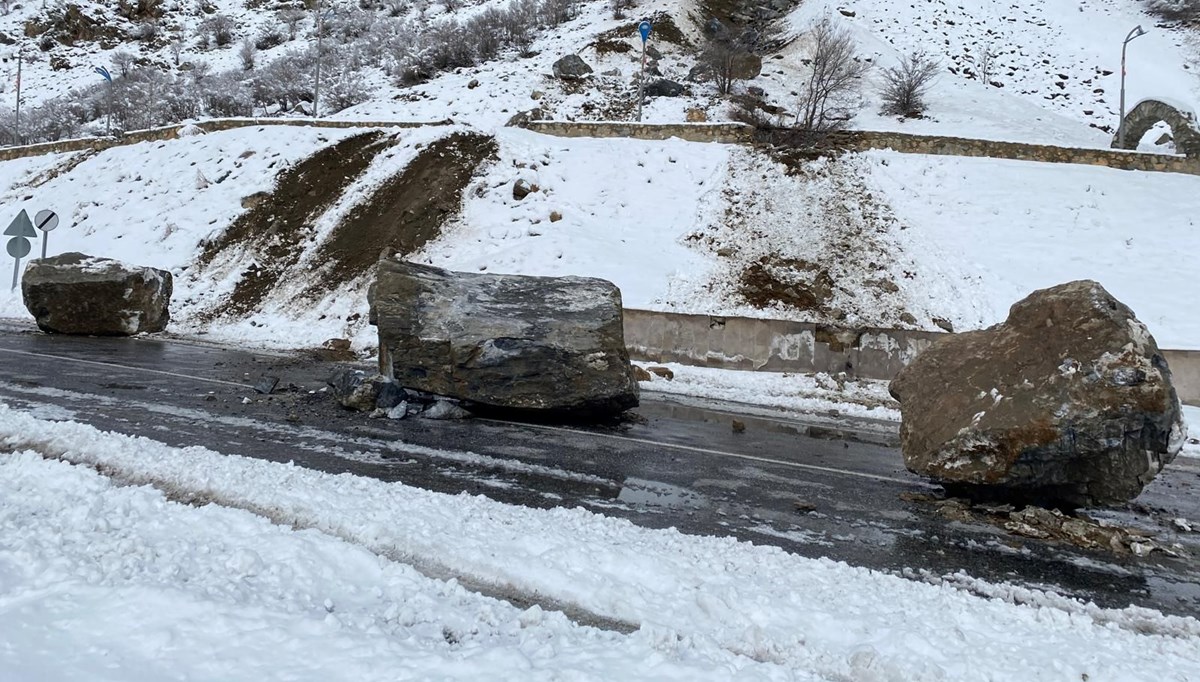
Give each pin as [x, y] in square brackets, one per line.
[799, 393]
[1058, 64]
[172, 582]
[981, 234]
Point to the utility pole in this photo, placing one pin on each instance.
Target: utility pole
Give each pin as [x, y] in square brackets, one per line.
[17, 123]
[317, 80]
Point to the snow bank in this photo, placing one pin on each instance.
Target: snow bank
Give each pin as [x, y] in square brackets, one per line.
[816, 616]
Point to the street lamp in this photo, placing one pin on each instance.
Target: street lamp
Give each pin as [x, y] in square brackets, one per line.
[1137, 32]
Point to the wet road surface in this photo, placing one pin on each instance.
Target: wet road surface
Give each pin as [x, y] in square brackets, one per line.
[812, 486]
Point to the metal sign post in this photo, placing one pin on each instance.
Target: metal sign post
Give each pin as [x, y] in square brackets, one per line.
[18, 247]
[45, 220]
[108, 77]
[644, 29]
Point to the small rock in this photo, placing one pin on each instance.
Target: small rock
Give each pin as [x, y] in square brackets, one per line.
[944, 324]
[337, 344]
[738, 426]
[664, 372]
[695, 115]
[555, 216]
[210, 398]
[473, 84]
[246, 401]
[571, 67]
[1182, 524]
[399, 411]
[266, 385]
[537, 94]
[445, 409]
[521, 189]
[908, 318]
[804, 506]
[640, 374]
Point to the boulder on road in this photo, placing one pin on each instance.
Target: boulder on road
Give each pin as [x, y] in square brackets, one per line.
[508, 341]
[79, 294]
[1067, 402]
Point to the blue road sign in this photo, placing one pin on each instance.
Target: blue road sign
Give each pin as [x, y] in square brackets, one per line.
[104, 73]
[644, 29]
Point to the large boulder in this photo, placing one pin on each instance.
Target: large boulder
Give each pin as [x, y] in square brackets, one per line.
[508, 341]
[571, 67]
[1068, 402]
[79, 294]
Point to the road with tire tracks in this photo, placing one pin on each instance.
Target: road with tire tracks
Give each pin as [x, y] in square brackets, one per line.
[807, 484]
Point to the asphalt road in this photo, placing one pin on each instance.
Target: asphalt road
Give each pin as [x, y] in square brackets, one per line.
[818, 491]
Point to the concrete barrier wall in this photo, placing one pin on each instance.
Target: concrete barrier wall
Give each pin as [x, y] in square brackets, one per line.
[785, 346]
[862, 140]
[172, 132]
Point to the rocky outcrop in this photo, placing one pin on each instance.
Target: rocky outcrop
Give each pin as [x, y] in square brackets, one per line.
[571, 67]
[506, 341]
[79, 294]
[1068, 401]
[664, 88]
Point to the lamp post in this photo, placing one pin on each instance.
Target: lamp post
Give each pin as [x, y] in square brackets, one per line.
[1137, 32]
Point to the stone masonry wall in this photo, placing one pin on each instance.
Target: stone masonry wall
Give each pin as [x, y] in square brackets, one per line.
[172, 132]
[862, 140]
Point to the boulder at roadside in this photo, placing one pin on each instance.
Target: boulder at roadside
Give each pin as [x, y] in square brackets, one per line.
[1067, 402]
[74, 293]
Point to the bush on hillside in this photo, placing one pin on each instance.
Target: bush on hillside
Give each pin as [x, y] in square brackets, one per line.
[906, 85]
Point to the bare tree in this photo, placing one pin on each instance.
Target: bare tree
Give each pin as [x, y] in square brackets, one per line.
[906, 85]
[985, 63]
[828, 96]
[123, 61]
[177, 49]
[729, 57]
[618, 8]
[291, 17]
[247, 53]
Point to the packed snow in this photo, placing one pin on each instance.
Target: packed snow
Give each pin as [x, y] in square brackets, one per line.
[110, 582]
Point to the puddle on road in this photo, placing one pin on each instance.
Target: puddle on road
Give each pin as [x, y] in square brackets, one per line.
[641, 492]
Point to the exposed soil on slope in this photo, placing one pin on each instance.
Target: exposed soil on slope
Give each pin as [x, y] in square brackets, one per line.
[405, 212]
[278, 226]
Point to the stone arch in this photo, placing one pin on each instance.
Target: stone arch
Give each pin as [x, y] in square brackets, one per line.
[1148, 112]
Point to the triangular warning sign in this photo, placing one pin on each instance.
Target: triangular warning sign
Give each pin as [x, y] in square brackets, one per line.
[21, 226]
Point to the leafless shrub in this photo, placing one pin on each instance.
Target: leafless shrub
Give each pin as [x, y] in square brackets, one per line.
[729, 57]
[217, 29]
[906, 85]
[618, 8]
[291, 18]
[985, 63]
[123, 61]
[829, 95]
[247, 53]
[1182, 11]
[176, 49]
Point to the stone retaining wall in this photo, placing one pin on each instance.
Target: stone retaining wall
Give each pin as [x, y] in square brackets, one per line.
[785, 346]
[725, 133]
[172, 132]
[862, 140]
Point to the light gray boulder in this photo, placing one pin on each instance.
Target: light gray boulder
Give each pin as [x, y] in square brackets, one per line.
[508, 341]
